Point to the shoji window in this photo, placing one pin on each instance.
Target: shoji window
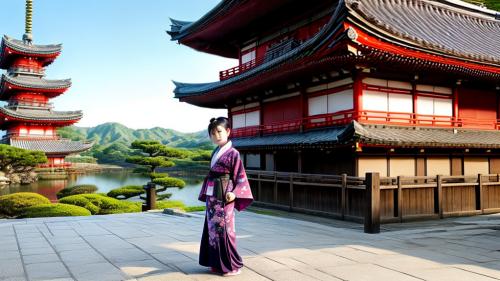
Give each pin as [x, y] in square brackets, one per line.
[246, 119]
[331, 103]
[387, 96]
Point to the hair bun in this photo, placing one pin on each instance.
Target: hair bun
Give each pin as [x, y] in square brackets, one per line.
[213, 120]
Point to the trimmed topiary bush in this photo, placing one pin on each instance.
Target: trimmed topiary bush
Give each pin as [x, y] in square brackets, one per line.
[77, 189]
[100, 204]
[170, 182]
[127, 191]
[54, 210]
[14, 204]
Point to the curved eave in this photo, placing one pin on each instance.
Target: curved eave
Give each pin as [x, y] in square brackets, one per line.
[11, 48]
[43, 116]
[216, 32]
[187, 91]
[51, 87]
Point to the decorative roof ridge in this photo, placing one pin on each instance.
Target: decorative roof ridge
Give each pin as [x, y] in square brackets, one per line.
[322, 37]
[19, 45]
[438, 6]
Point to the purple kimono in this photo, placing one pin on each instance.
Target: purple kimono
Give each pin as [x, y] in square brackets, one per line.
[218, 242]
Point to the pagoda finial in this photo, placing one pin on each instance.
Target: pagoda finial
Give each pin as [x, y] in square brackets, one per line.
[28, 37]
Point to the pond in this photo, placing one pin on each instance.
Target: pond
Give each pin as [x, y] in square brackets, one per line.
[105, 181]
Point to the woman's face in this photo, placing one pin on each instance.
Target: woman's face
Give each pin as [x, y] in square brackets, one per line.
[219, 135]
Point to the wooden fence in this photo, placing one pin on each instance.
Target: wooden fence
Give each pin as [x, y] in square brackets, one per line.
[372, 199]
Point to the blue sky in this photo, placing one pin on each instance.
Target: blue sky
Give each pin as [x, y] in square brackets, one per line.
[120, 59]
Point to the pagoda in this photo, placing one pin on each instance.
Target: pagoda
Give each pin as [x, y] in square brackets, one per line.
[28, 118]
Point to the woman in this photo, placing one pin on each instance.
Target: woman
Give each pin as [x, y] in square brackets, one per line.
[224, 189]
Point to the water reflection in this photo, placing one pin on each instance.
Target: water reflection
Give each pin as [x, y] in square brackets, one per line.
[105, 181]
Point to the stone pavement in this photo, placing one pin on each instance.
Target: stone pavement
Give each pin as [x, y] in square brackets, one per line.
[155, 247]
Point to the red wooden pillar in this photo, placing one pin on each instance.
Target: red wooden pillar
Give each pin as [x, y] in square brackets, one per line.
[455, 105]
[357, 95]
[304, 110]
[415, 107]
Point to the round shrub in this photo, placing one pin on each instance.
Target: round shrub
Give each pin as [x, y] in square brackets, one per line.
[55, 210]
[170, 182]
[14, 204]
[100, 204]
[77, 189]
[80, 201]
[127, 191]
[158, 175]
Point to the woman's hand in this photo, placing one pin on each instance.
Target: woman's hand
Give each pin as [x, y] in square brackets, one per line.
[230, 197]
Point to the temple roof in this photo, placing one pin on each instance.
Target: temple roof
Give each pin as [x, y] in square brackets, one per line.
[446, 27]
[18, 46]
[456, 38]
[421, 137]
[385, 135]
[219, 31]
[61, 146]
[40, 115]
[35, 82]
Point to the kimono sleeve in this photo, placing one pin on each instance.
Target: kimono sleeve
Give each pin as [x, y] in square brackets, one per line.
[241, 185]
[203, 192]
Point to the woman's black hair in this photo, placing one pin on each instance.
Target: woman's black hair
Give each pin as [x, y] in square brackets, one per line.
[219, 121]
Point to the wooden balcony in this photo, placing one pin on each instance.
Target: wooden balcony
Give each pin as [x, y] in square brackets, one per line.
[228, 73]
[366, 117]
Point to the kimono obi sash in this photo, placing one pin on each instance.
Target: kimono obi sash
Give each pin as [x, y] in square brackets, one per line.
[220, 185]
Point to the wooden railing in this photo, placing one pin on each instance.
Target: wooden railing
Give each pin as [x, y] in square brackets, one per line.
[228, 73]
[372, 199]
[61, 165]
[367, 117]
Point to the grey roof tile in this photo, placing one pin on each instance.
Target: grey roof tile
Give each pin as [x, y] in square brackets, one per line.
[34, 82]
[51, 146]
[20, 46]
[41, 114]
[431, 25]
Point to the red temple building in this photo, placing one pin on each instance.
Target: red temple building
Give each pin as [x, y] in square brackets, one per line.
[28, 118]
[401, 87]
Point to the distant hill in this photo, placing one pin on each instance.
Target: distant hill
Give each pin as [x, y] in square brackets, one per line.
[112, 140]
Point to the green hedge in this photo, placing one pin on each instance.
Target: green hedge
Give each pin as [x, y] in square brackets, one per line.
[54, 210]
[77, 189]
[194, 208]
[101, 205]
[127, 191]
[14, 204]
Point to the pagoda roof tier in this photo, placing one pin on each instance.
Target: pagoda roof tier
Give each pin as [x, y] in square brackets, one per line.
[39, 115]
[377, 135]
[219, 31]
[51, 88]
[12, 47]
[59, 146]
[379, 34]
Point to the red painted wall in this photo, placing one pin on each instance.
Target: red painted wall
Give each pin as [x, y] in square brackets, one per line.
[282, 110]
[26, 62]
[477, 104]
